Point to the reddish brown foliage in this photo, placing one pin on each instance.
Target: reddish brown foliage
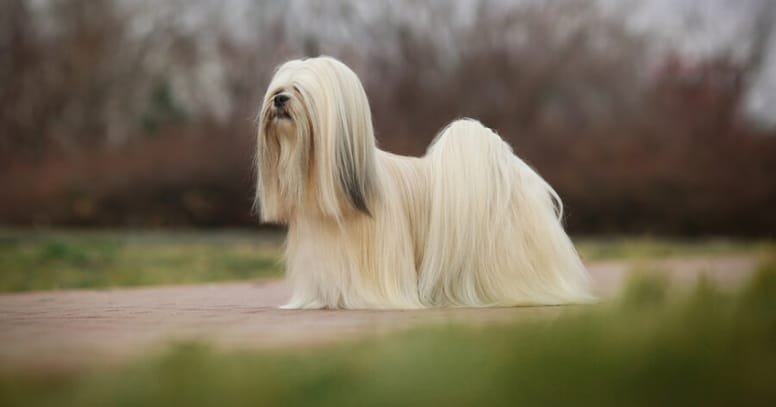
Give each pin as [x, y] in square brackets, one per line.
[628, 152]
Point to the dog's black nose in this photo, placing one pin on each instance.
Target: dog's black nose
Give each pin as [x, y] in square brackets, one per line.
[280, 100]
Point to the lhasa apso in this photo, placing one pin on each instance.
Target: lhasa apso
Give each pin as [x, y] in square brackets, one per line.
[467, 225]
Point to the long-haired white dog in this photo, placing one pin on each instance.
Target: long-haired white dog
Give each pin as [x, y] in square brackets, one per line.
[468, 224]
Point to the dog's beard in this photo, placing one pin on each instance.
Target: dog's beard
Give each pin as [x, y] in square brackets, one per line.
[284, 151]
[281, 125]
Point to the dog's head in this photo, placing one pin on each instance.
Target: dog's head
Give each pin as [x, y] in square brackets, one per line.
[315, 144]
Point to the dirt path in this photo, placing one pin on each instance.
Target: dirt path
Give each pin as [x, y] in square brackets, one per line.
[83, 328]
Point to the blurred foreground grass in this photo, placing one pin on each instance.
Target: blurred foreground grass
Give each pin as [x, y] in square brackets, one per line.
[652, 347]
[62, 259]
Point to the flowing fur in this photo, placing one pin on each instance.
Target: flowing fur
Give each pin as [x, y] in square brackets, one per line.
[469, 224]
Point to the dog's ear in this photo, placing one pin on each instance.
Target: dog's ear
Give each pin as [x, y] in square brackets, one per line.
[354, 177]
[344, 145]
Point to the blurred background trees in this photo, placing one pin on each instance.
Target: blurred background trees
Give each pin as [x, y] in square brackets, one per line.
[141, 113]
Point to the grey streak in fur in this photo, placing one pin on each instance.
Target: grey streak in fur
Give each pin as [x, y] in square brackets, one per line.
[356, 189]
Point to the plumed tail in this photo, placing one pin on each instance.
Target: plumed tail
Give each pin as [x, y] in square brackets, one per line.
[495, 235]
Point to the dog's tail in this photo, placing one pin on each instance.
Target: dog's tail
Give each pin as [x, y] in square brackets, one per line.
[495, 235]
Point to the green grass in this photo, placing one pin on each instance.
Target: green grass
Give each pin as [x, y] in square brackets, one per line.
[66, 259]
[32, 260]
[651, 347]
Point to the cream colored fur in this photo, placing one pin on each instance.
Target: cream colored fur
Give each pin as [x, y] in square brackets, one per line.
[469, 224]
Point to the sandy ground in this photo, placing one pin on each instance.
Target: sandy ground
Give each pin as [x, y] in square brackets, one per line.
[83, 328]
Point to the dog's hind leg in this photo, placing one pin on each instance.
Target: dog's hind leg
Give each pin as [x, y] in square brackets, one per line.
[494, 235]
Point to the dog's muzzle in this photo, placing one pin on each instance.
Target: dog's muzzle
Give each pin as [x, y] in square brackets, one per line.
[280, 107]
[280, 101]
